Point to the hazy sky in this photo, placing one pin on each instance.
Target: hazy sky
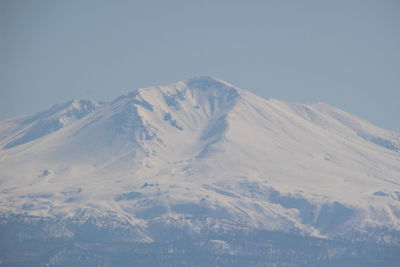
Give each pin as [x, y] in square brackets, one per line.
[345, 53]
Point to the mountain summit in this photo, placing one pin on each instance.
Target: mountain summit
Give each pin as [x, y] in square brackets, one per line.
[200, 156]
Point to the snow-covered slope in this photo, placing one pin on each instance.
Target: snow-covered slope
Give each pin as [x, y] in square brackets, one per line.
[202, 153]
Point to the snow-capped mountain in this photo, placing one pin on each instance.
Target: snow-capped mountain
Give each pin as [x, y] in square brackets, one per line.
[202, 155]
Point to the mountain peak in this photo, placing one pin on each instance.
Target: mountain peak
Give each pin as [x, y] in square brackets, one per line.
[206, 82]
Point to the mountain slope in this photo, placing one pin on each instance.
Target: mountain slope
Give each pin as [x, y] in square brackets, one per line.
[199, 155]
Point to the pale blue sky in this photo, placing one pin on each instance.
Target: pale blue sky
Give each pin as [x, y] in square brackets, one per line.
[345, 53]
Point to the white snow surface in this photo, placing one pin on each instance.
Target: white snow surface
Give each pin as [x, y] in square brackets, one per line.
[203, 149]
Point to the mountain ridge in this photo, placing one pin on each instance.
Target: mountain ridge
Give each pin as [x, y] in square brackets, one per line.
[203, 152]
